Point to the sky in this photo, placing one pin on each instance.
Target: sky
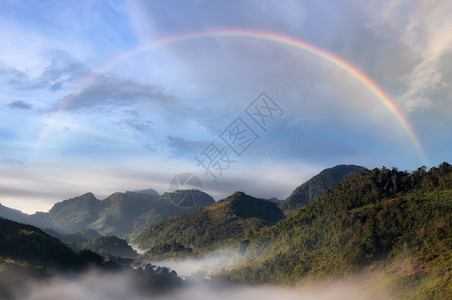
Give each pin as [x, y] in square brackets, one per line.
[256, 96]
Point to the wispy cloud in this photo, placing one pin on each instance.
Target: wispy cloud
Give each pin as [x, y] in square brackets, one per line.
[113, 90]
[20, 105]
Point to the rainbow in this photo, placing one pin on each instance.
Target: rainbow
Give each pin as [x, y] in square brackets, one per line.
[267, 36]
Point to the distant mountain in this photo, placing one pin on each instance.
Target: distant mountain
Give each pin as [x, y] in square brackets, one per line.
[119, 214]
[396, 225]
[74, 214]
[199, 230]
[315, 187]
[13, 214]
[150, 192]
[275, 200]
[170, 204]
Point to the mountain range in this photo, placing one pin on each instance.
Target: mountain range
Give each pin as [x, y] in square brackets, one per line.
[119, 214]
[346, 220]
[126, 214]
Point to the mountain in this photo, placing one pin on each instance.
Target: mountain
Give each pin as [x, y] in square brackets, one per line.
[13, 214]
[394, 224]
[29, 244]
[150, 192]
[74, 214]
[119, 214]
[110, 245]
[29, 256]
[202, 229]
[73, 240]
[314, 188]
[91, 240]
[165, 206]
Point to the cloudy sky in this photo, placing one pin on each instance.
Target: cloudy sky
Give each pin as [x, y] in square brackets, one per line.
[108, 96]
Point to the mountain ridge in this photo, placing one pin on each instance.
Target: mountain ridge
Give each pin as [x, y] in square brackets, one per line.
[121, 213]
[199, 230]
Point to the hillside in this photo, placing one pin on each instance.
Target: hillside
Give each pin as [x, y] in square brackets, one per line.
[30, 245]
[111, 245]
[202, 229]
[164, 207]
[29, 257]
[91, 240]
[119, 214]
[398, 223]
[315, 187]
[74, 214]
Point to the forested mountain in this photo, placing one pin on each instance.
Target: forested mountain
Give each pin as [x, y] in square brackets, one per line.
[120, 214]
[394, 224]
[30, 245]
[203, 229]
[315, 187]
[27, 253]
[398, 222]
[29, 257]
[110, 245]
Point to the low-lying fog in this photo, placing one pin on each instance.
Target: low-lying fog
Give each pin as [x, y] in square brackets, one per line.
[98, 285]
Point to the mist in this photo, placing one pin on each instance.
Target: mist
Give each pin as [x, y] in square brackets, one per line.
[199, 282]
[97, 285]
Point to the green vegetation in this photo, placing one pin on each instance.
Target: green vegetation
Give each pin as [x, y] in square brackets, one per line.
[315, 187]
[398, 221]
[29, 244]
[111, 245]
[393, 225]
[120, 214]
[167, 251]
[29, 256]
[29, 247]
[203, 229]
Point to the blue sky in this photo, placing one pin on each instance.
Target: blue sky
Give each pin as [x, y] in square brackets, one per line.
[145, 118]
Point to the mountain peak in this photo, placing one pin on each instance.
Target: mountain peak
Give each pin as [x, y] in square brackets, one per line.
[238, 195]
[315, 187]
[148, 191]
[217, 222]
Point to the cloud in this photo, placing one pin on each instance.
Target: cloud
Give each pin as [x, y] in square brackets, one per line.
[97, 285]
[33, 187]
[112, 90]
[180, 96]
[20, 105]
[425, 27]
[182, 147]
[63, 71]
[14, 77]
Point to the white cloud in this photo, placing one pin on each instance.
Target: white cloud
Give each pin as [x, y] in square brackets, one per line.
[430, 28]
